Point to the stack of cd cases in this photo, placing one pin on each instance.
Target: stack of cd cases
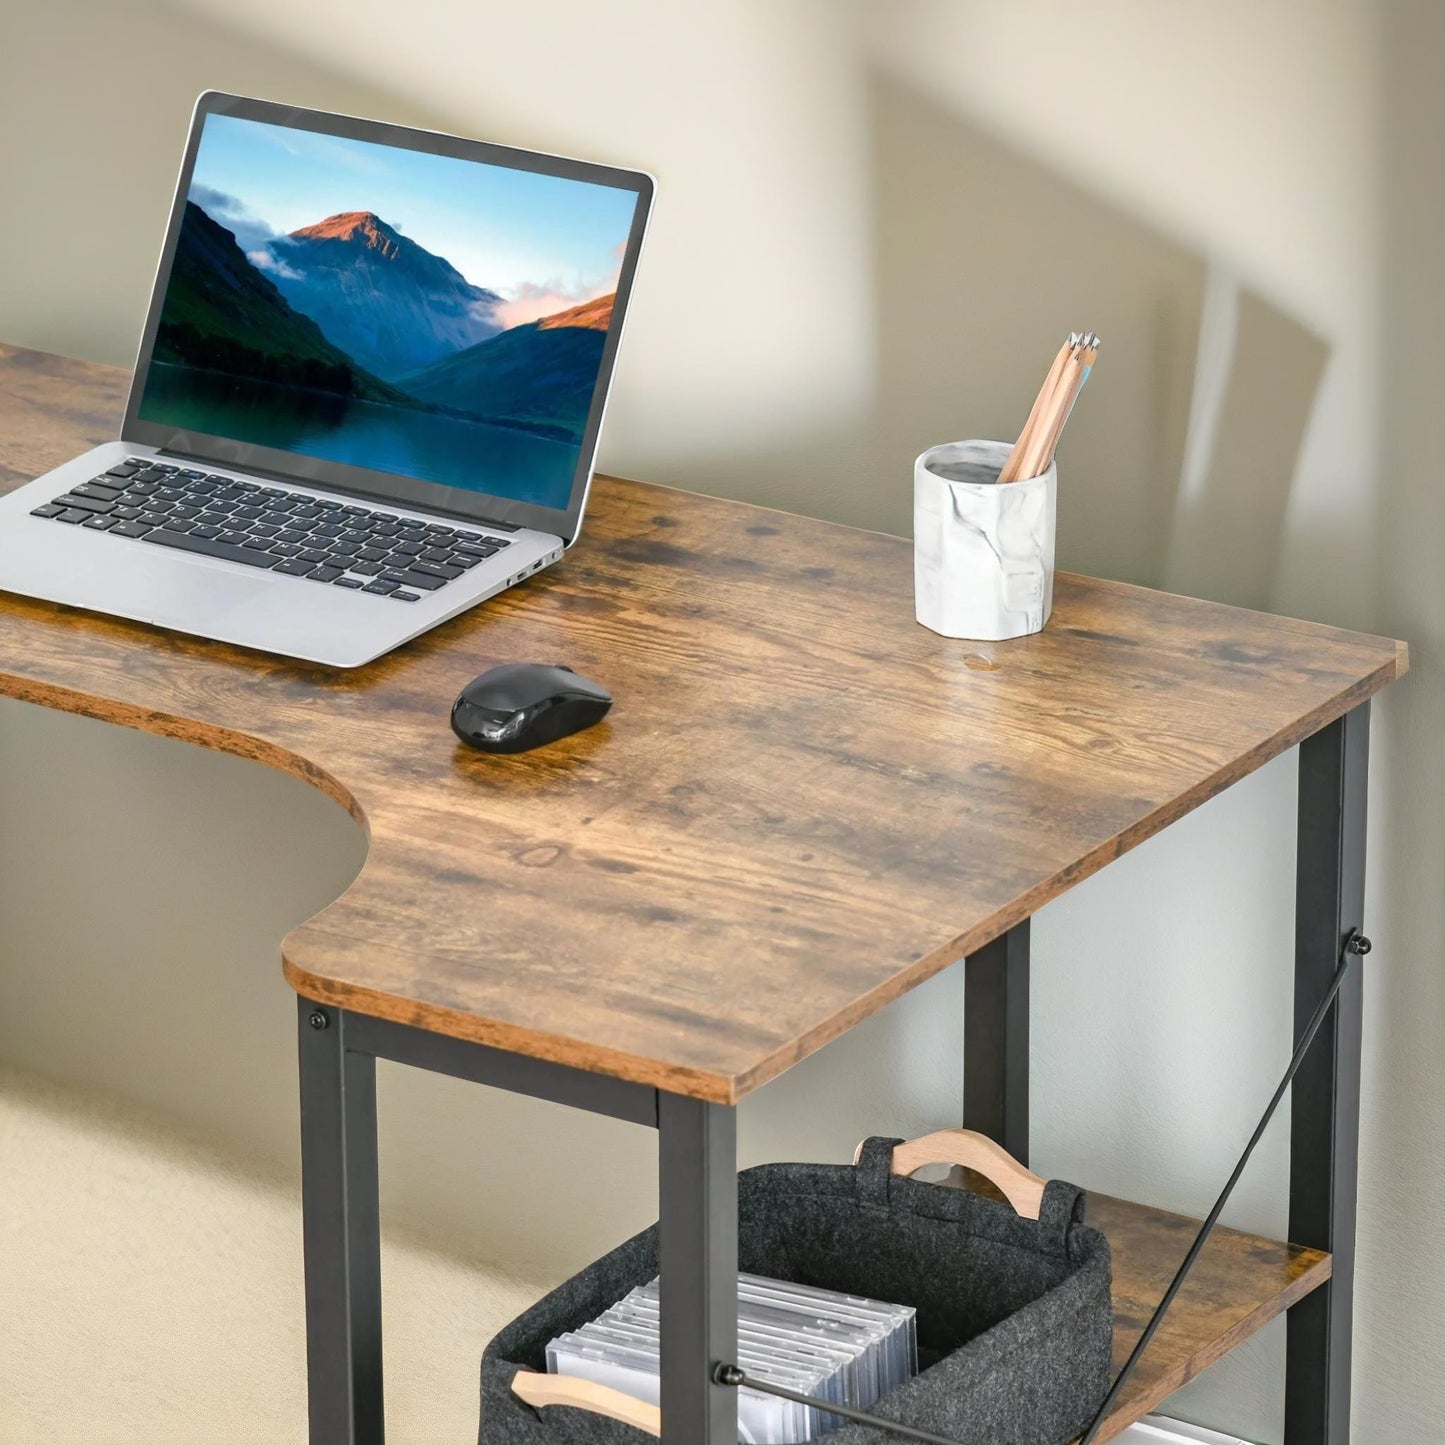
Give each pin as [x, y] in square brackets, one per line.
[835, 1347]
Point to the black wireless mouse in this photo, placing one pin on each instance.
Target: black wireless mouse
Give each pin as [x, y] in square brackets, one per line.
[523, 705]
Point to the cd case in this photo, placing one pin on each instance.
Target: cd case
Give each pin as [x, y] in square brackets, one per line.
[835, 1347]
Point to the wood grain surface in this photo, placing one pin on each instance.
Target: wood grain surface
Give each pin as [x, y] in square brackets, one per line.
[802, 805]
[1239, 1283]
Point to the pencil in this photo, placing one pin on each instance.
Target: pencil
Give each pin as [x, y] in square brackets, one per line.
[1087, 356]
[1045, 434]
[1010, 472]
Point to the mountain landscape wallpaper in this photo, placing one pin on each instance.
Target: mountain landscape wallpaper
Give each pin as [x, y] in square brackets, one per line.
[418, 314]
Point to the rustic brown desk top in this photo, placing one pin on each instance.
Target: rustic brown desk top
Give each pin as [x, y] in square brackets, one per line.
[802, 805]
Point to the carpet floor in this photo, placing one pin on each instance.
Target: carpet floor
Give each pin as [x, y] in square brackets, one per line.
[152, 1292]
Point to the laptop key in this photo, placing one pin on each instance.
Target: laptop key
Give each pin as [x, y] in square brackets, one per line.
[99, 524]
[475, 549]
[293, 567]
[381, 587]
[436, 569]
[152, 519]
[124, 469]
[83, 504]
[231, 539]
[325, 574]
[352, 583]
[129, 529]
[311, 554]
[201, 530]
[366, 569]
[423, 580]
[48, 510]
[462, 559]
[436, 554]
[126, 514]
[210, 547]
[285, 549]
[99, 491]
[176, 524]
[402, 596]
[257, 544]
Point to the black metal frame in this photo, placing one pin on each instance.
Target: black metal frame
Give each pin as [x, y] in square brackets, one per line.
[996, 1041]
[1325, 1108]
[698, 1213]
[1325, 1115]
[698, 1149]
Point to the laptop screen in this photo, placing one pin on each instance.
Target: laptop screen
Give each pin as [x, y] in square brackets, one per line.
[429, 316]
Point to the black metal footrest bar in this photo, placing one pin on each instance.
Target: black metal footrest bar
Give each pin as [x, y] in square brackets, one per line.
[1356, 945]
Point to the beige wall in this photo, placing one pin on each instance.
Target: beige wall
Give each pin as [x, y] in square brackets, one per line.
[873, 222]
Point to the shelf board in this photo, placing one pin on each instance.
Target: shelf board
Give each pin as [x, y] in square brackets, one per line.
[1239, 1283]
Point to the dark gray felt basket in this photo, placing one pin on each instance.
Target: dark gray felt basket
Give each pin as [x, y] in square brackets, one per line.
[1015, 1326]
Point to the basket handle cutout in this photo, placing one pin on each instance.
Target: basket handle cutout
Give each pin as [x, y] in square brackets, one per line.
[539, 1391]
[967, 1149]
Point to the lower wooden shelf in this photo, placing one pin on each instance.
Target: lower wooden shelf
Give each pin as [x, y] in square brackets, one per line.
[1239, 1283]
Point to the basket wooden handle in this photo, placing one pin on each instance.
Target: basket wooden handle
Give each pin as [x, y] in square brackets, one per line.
[970, 1150]
[538, 1391]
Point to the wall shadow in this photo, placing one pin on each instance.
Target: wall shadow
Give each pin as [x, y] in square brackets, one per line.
[983, 258]
[1229, 519]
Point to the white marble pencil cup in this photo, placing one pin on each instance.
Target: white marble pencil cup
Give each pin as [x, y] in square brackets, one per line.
[983, 552]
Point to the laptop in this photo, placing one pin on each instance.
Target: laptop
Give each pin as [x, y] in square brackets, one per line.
[368, 393]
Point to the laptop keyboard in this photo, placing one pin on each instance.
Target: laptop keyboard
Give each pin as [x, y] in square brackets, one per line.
[286, 532]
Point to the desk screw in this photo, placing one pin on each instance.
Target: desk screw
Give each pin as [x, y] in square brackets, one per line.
[1360, 945]
[318, 1019]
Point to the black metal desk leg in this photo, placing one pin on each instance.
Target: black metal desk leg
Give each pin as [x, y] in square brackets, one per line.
[1324, 1138]
[996, 1041]
[341, 1228]
[698, 1248]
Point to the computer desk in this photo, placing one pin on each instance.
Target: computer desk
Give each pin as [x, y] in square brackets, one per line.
[802, 806]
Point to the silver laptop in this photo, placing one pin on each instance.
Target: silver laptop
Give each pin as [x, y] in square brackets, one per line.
[368, 393]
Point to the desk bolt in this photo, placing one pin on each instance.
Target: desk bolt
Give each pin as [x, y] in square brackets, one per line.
[1360, 945]
[318, 1019]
